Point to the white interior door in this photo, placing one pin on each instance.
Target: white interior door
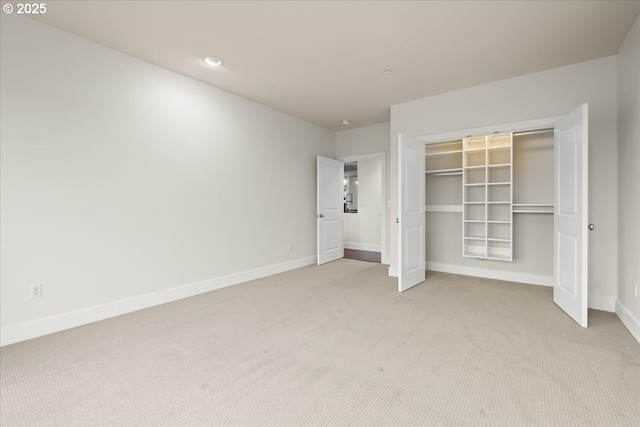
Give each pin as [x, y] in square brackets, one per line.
[330, 216]
[411, 213]
[570, 290]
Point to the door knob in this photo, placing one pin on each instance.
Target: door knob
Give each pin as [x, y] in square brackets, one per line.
[397, 220]
[591, 227]
[320, 216]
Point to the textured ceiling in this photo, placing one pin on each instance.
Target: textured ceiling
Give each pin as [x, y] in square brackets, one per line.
[323, 61]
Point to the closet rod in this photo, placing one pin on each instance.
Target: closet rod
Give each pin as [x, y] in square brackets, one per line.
[530, 132]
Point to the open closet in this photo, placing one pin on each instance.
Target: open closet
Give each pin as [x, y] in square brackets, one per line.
[507, 202]
[492, 197]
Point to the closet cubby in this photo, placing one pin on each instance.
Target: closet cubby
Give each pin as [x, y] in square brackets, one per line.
[499, 192]
[474, 212]
[499, 175]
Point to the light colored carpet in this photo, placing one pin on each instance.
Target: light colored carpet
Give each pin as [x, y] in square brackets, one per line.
[337, 345]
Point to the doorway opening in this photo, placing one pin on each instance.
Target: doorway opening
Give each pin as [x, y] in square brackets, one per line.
[364, 207]
[368, 256]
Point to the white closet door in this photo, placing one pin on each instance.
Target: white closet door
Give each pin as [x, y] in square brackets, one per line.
[411, 213]
[571, 214]
[330, 216]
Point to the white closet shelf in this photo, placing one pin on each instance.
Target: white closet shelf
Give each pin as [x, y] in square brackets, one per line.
[495, 239]
[475, 238]
[500, 165]
[500, 147]
[499, 257]
[442, 153]
[474, 203]
[499, 183]
[535, 208]
[475, 167]
[443, 208]
[498, 203]
[475, 184]
[441, 172]
[480, 255]
[479, 221]
[496, 221]
[531, 211]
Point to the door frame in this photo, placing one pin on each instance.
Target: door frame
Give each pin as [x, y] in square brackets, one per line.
[383, 196]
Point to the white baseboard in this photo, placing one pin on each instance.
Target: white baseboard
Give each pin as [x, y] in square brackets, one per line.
[530, 279]
[363, 247]
[629, 320]
[60, 322]
[602, 303]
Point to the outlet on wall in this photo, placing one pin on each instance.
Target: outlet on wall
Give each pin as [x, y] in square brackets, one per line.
[35, 291]
[635, 290]
[290, 247]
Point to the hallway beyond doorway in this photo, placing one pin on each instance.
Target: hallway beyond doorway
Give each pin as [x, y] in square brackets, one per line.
[362, 255]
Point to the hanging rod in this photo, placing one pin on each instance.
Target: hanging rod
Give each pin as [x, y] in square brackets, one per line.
[530, 132]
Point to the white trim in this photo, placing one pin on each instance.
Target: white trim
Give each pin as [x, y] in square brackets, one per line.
[393, 271]
[60, 322]
[629, 320]
[510, 276]
[602, 303]
[528, 125]
[383, 196]
[363, 247]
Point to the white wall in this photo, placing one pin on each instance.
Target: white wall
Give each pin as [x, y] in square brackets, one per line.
[368, 140]
[629, 175]
[364, 140]
[362, 229]
[544, 94]
[119, 178]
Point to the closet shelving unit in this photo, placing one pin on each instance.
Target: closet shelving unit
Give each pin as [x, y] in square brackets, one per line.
[487, 197]
[536, 208]
[476, 176]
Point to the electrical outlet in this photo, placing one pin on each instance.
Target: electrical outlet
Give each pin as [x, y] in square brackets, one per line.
[35, 291]
[635, 290]
[290, 247]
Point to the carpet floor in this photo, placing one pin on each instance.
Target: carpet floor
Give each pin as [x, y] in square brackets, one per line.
[332, 345]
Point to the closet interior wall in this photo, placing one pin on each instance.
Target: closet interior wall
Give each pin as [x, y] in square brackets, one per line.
[533, 193]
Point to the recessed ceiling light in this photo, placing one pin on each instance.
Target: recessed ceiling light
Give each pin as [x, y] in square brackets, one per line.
[387, 72]
[212, 61]
[346, 123]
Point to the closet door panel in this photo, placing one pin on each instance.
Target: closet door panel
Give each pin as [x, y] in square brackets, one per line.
[411, 217]
[571, 215]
